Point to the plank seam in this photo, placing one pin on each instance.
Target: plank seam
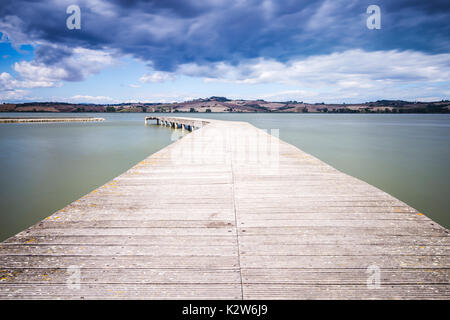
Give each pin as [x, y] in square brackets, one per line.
[236, 226]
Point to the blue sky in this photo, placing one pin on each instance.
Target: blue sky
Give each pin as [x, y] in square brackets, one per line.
[163, 51]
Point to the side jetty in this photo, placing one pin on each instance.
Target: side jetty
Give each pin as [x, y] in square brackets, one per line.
[55, 119]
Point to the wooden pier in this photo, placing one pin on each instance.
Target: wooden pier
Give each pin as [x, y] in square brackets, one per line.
[229, 212]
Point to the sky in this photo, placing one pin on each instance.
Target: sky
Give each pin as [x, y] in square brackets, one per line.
[178, 50]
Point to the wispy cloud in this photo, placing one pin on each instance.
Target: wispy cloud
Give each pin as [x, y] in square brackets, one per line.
[157, 77]
[351, 68]
[170, 33]
[49, 71]
[352, 74]
[91, 99]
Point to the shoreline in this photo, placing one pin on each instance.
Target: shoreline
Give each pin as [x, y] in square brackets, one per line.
[32, 119]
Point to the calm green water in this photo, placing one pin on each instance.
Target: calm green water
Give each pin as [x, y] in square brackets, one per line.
[43, 167]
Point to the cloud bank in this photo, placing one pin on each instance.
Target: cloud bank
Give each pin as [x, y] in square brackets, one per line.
[302, 43]
[168, 33]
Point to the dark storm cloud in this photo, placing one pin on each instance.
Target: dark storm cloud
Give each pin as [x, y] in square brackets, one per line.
[172, 32]
[50, 55]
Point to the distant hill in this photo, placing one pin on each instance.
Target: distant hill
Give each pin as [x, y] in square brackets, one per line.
[222, 104]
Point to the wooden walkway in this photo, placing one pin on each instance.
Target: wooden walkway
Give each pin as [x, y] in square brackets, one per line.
[229, 212]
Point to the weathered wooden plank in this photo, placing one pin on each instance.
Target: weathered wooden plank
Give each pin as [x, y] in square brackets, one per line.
[345, 291]
[121, 276]
[327, 209]
[123, 231]
[344, 261]
[117, 250]
[332, 223]
[337, 239]
[261, 216]
[105, 262]
[342, 249]
[219, 240]
[192, 240]
[56, 222]
[122, 291]
[417, 231]
[345, 276]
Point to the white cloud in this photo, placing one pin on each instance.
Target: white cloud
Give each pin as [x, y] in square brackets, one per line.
[32, 74]
[324, 16]
[157, 77]
[75, 67]
[91, 99]
[352, 74]
[93, 60]
[11, 27]
[7, 82]
[38, 75]
[14, 94]
[354, 68]
[162, 97]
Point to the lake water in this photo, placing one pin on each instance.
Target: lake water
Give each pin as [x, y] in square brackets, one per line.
[45, 166]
